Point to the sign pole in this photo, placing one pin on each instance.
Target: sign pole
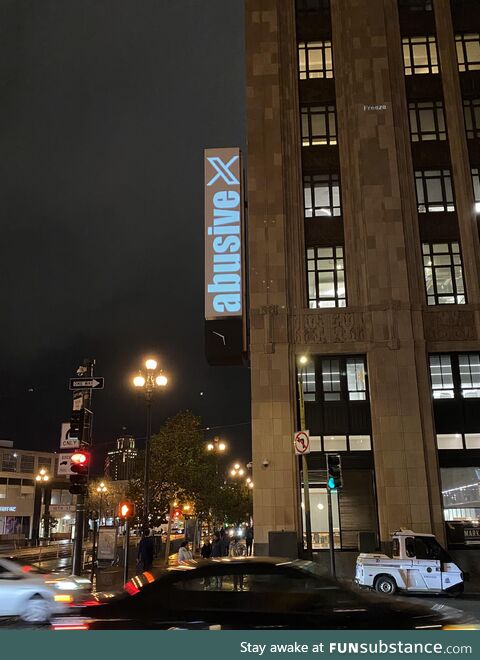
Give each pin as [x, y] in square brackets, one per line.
[126, 550]
[169, 531]
[306, 486]
[94, 547]
[331, 541]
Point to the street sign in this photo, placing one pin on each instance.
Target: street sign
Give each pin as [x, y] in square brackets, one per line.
[66, 442]
[87, 383]
[64, 464]
[301, 441]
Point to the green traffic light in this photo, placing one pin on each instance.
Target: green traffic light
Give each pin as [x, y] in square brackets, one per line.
[331, 483]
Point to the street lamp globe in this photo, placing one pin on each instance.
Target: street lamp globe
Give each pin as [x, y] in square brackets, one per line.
[210, 447]
[222, 446]
[303, 359]
[241, 472]
[237, 466]
[161, 381]
[151, 364]
[233, 472]
[250, 485]
[139, 381]
[38, 478]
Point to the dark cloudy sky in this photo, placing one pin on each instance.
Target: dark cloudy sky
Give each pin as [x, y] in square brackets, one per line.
[105, 109]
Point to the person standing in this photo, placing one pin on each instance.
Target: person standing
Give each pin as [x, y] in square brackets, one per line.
[249, 540]
[146, 551]
[217, 551]
[237, 549]
[206, 550]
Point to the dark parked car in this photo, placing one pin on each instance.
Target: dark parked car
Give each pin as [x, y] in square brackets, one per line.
[251, 592]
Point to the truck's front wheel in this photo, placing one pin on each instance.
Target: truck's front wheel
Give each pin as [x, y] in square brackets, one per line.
[384, 584]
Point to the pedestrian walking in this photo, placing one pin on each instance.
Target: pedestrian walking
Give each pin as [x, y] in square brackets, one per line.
[249, 540]
[146, 551]
[217, 551]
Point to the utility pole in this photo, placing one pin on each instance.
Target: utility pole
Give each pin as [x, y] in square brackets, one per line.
[146, 474]
[306, 486]
[82, 400]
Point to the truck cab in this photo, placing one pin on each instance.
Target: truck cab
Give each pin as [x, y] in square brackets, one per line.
[418, 564]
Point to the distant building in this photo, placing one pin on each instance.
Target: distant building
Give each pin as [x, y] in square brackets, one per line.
[121, 461]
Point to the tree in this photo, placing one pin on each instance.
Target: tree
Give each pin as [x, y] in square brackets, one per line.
[180, 469]
[233, 504]
[105, 503]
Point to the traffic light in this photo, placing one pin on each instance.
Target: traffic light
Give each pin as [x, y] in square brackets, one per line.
[79, 465]
[77, 421]
[334, 472]
[126, 509]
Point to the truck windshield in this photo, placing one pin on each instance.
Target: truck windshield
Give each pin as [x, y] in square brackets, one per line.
[427, 547]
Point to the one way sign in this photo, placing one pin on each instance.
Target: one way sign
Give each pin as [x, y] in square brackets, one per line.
[86, 383]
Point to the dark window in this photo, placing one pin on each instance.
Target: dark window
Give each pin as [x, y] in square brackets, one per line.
[434, 191]
[395, 548]
[442, 376]
[410, 546]
[443, 273]
[315, 59]
[321, 195]
[468, 51]
[471, 110]
[476, 187]
[420, 55]
[312, 5]
[331, 379]
[318, 125]
[416, 5]
[326, 277]
[427, 121]
[27, 463]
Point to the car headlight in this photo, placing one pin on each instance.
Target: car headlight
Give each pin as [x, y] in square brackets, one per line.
[66, 585]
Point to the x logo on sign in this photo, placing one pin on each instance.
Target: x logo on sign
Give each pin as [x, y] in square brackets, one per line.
[223, 170]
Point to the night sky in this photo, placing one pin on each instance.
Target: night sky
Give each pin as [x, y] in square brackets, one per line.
[105, 109]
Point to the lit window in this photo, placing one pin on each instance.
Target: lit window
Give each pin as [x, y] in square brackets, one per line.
[471, 110]
[9, 461]
[427, 121]
[420, 55]
[27, 463]
[476, 187]
[449, 441]
[441, 376]
[318, 125]
[443, 273]
[335, 443]
[472, 440]
[469, 367]
[326, 277]
[434, 191]
[321, 195]
[356, 379]
[331, 379]
[307, 372]
[468, 51]
[315, 59]
[360, 442]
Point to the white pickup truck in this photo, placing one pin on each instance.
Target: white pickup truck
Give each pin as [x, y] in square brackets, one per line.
[418, 564]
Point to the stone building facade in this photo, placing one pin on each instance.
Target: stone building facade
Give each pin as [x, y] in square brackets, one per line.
[363, 128]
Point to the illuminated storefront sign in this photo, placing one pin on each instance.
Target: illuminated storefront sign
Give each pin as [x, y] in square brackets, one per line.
[224, 286]
[8, 509]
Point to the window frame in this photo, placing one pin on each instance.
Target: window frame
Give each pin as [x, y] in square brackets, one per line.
[444, 205]
[337, 259]
[476, 187]
[414, 113]
[305, 51]
[329, 182]
[343, 390]
[410, 67]
[435, 298]
[329, 114]
[461, 41]
[471, 114]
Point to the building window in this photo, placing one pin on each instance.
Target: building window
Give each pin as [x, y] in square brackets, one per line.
[360, 442]
[313, 5]
[331, 379]
[468, 51]
[416, 5]
[427, 121]
[326, 277]
[44, 462]
[471, 110]
[321, 195]
[9, 461]
[27, 463]
[315, 59]
[476, 187]
[441, 376]
[434, 191]
[443, 273]
[318, 125]
[356, 379]
[420, 55]
[469, 368]
[307, 373]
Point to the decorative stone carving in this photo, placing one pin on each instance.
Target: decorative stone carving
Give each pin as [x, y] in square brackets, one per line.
[449, 325]
[329, 327]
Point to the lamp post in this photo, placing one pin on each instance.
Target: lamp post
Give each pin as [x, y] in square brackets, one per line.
[101, 490]
[149, 380]
[42, 480]
[217, 447]
[303, 361]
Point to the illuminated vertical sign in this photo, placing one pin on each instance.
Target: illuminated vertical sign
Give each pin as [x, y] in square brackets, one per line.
[224, 285]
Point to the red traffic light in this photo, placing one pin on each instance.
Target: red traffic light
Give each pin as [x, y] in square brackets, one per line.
[79, 458]
[126, 509]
